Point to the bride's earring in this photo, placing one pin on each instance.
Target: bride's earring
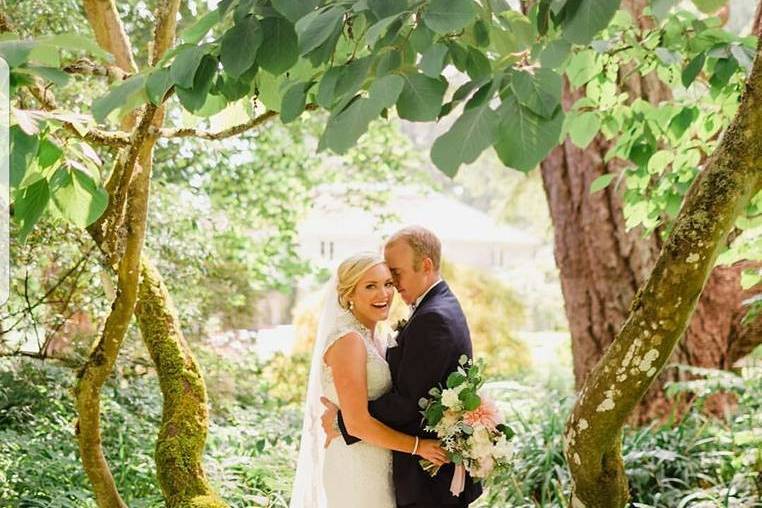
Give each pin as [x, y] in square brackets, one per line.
[351, 305]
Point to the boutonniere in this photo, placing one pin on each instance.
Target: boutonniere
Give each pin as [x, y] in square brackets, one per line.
[399, 325]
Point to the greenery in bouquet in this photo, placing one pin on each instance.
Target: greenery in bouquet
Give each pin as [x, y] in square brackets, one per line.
[468, 423]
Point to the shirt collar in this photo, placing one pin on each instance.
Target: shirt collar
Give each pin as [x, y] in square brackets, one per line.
[420, 298]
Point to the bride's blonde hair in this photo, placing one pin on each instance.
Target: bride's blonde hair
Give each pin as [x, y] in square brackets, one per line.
[351, 271]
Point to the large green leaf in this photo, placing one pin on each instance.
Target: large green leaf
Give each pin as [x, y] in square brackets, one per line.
[709, 6]
[23, 150]
[524, 138]
[239, 46]
[421, 98]
[157, 84]
[583, 127]
[377, 30]
[433, 60]
[279, 50]
[385, 8]
[185, 64]
[589, 18]
[78, 198]
[117, 97]
[294, 101]
[469, 136]
[583, 67]
[345, 127]
[76, 42]
[52, 74]
[318, 27]
[444, 16]
[294, 10]
[28, 205]
[540, 92]
[16, 52]
[194, 98]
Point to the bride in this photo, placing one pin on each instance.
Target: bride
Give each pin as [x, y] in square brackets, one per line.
[349, 369]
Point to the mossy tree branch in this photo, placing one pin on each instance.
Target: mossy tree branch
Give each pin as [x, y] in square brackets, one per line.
[662, 308]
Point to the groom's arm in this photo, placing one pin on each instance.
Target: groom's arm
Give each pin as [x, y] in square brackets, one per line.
[424, 364]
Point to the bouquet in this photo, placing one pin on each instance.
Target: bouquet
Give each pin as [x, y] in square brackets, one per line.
[469, 425]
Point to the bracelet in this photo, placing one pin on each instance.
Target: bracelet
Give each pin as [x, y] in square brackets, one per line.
[415, 448]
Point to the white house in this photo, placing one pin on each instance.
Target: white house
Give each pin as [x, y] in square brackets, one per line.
[334, 230]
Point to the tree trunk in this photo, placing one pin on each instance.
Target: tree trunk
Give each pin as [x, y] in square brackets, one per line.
[662, 308]
[185, 417]
[183, 432]
[602, 265]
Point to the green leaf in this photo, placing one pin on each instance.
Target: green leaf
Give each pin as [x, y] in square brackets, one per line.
[583, 127]
[76, 42]
[279, 51]
[443, 16]
[23, 150]
[422, 38]
[477, 64]
[52, 74]
[583, 67]
[117, 97]
[294, 10]
[16, 52]
[709, 6]
[472, 133]
[540, 92]
[185, 64]
[433, 60]
[239, 46]
[554, 54]
[294, 101]
[79, 199]
[194, 33]
[601, 182]
[692, 69]
[157, 84]
[194, 98]
[471, 402]
[28, 205]
[385, 8]
[377, 30]
[524, 138]
[351, 78]
[48, 154]
[455, 379]
[233, 89]
[318, 27]
[589, 18]
[421, 98]
[345, 127]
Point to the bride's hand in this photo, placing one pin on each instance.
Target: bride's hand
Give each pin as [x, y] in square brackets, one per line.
[430, 450]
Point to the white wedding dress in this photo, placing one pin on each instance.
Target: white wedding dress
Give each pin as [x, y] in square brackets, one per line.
[341, 476]
[358, 475]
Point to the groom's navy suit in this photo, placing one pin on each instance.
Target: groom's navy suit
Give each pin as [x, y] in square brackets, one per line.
[428, 350]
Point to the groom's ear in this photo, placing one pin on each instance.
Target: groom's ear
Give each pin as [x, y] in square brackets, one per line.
[427, 265]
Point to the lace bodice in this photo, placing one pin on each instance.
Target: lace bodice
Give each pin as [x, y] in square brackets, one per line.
[379, 378]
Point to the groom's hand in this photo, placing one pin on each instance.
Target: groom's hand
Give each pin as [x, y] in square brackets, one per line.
[329, 420]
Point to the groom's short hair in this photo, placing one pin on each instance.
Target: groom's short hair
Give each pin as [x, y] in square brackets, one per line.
[424, 243]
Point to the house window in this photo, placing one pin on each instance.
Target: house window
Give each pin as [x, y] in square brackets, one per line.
[322, 249]
[330, 245]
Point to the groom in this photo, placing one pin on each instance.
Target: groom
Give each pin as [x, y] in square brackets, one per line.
[428, 349]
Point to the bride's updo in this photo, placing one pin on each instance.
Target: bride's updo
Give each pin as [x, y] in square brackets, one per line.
[351, 271]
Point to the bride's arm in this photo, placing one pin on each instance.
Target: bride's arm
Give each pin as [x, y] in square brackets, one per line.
[347, 359]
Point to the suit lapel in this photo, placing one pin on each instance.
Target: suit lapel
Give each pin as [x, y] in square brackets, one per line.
[394, 355]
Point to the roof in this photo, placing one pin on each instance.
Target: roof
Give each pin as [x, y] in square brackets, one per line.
[450, 219]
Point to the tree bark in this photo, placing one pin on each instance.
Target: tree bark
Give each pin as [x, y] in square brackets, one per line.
[662, 308]
[183, 432]
[185, 417]
[602, 265]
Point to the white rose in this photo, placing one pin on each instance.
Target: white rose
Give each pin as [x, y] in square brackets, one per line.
[450, 399]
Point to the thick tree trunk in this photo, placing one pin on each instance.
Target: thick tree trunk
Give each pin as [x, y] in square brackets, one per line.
[185, 418]
[602, 265]
[662, 308]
